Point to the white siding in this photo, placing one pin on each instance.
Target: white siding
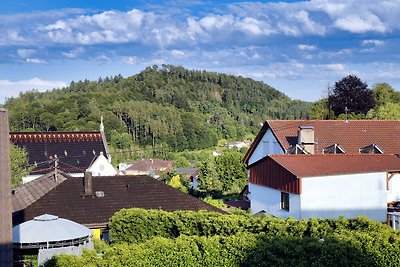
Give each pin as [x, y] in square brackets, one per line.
[267, 145]
[102, 167]
[394, 189]
[348, 195]
[269, 200]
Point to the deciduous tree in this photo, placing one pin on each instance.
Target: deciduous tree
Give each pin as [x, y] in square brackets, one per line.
[351, 93]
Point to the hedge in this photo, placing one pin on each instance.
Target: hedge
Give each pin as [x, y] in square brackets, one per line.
[243, 249]
[138, 225]
[158, 238]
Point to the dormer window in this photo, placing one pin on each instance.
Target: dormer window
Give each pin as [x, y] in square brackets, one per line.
[371, 149]
[334, 149]
[296, 149]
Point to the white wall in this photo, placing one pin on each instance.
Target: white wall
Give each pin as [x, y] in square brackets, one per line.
[393, 193]
[269, 200]
[102, 167]
[267, 145]
[348, 195]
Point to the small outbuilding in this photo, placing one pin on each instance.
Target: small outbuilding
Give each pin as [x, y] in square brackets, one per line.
[48, 235]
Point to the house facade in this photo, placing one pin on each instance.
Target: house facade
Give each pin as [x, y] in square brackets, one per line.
[325, 137]
[279, 184]
[325, 186]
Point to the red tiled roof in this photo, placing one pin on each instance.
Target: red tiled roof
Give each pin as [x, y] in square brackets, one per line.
[335, 164]
[350, 135]
[75, 150]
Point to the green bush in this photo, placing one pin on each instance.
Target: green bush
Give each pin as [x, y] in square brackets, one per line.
[244, 249]
[185, 238]
[138, 225]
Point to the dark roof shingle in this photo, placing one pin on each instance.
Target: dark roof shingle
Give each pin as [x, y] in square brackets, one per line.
[66, 199]
[75, 150]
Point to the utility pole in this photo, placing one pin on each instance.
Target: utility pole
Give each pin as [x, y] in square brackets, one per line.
[6, 253]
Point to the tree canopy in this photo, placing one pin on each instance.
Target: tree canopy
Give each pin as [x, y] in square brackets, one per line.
[350, 94]
[167, 106]
[19, 165]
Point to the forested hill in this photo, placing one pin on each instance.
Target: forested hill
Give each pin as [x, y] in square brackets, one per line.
[168, 105]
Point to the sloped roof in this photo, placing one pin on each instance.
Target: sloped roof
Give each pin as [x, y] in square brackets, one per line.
[75, 150]
[147, 164]
[28, 193]
[335, 164]
[67, 201]
[350, 135]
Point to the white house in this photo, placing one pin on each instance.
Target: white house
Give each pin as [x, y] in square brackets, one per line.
[102, 167]
[325, 137]
[324, 186]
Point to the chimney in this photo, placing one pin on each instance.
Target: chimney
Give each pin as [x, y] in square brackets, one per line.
[305, 138]
[6, 253]
[88, 186]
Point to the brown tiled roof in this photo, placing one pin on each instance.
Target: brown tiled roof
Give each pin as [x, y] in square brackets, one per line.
[66, 199]
[32, 191]
[335, 164]
[75, 150]
[350, 135]
[154, 164]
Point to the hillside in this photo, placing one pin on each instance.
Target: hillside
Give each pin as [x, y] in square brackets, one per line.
[178, 108]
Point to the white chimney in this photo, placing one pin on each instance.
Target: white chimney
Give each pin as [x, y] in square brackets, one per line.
[305, 138]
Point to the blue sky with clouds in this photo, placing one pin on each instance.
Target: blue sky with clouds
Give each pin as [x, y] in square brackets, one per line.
[299, 47]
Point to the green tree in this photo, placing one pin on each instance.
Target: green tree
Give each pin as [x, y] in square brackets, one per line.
[389, 111]
[351, 93]
[19, 165]
[383, 93]
[121, 140]
[231, 171]
[209, 181]
[176, 183]
[320, 110]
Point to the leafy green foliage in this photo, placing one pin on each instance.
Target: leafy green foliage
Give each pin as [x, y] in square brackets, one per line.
[226, 173]
[211, 239]
[170, 106]
[19, 165]
[351, 93]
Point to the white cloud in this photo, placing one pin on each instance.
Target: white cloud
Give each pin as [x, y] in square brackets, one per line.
[130, 60]
[23, 53]
[305, 47]
[35, 60]
[13, 88]
[356, 24]
[74, 52]
[373, 42]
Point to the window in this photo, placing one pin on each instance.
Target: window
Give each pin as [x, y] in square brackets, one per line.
[285, 201]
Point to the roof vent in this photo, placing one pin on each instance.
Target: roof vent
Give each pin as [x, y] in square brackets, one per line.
[371, 149]
[99, 194]
[334, 149]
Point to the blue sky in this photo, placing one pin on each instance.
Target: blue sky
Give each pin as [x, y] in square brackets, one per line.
[299, 47]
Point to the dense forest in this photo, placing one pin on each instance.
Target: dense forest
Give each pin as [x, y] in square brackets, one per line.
[171, 106]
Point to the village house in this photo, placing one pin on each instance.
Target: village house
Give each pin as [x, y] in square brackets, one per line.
[92, 200]
[325, 168]
[325, 186]
[151, 167]
[325, 137]
[70, 152]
